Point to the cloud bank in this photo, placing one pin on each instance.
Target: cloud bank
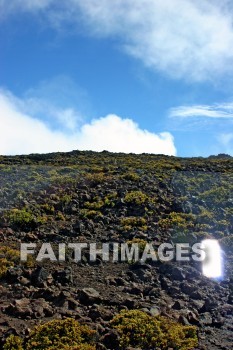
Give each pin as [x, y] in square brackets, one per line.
[187, 39]
[20, 133]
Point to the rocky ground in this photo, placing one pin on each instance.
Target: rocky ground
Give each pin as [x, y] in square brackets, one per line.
[103, 197]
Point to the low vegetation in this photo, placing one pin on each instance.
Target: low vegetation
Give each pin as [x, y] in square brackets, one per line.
[137, 329]
[103, 197]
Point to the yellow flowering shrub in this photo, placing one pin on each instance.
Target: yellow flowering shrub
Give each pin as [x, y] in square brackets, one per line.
[8, 258]
[61, 334]
[13, 342]
[138, 329]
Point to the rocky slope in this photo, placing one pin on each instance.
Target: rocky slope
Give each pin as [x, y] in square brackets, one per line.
[103, 197]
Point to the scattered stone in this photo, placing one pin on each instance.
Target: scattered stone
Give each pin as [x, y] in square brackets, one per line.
[89, 296]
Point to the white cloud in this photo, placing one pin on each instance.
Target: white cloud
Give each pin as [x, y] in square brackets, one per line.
[216, 111]
[123, 135]
[185, 39]
[22, 134]
[19, 133]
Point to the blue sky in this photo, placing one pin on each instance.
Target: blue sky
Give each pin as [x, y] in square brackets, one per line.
[120, 75]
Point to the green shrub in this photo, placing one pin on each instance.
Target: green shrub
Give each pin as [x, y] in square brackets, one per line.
[13, 342]
[135, 197]
[180, 221]
[49, 209]
[205, 216]
[96, 178]
[86, 213]
[131, 222]
[131, 176]
[65, 199]
[96, 205]
[138, 329]
[61, 334]
[8, 258]
[20, 218]
[216, 195]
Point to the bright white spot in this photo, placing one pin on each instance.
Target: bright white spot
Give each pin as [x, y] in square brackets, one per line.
[212, 264]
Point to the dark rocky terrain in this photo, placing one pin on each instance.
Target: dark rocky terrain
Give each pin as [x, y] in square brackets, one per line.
[105, 197]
